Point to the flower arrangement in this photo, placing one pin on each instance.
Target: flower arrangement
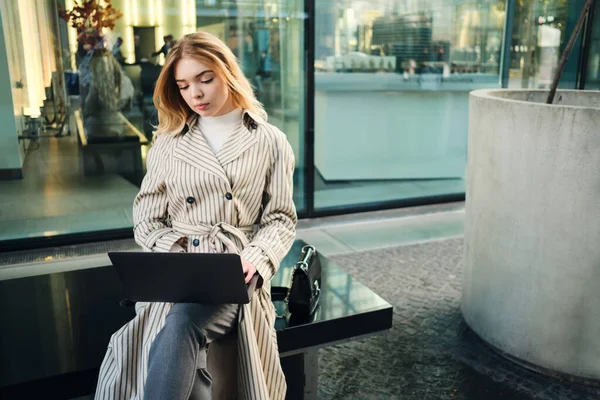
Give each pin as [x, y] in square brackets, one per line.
[91, 14]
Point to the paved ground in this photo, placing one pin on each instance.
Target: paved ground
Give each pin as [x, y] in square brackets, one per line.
[429, 353]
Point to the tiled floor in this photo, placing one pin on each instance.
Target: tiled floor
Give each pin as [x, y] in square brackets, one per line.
[56, 198]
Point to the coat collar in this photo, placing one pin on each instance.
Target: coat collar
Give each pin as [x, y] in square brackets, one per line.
[251, 121]
[193, 149]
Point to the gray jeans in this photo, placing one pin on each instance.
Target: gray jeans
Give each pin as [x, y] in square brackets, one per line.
[177, 360]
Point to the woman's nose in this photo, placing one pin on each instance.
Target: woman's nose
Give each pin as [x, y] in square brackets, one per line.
[197, 92]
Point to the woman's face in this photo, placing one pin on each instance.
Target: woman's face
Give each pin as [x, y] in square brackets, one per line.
[201, 88]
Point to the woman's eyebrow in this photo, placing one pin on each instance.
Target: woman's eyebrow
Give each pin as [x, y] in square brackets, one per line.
[197, 76]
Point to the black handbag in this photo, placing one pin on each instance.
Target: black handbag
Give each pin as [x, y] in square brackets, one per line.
[302, 296]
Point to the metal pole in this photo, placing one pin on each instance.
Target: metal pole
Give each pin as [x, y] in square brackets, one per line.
[309, 109]
[508, 30]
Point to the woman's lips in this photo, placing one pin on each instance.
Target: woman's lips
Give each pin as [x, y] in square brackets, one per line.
[202, 106]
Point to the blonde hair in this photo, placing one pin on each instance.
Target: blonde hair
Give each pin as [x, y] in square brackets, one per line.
[106, 77]
[173, 112]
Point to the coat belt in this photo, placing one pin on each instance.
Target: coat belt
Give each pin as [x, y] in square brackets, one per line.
[217, 234]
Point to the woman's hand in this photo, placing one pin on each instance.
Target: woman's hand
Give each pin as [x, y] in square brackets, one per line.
[249, 269]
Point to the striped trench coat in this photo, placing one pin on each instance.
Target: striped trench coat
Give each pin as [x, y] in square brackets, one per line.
[237, 200]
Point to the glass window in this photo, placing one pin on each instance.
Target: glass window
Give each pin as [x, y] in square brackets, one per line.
[593, 67]
[541, 31]
[70, 165]
[391, 95]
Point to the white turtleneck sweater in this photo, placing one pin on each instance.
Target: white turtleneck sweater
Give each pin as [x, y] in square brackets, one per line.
[216, 130]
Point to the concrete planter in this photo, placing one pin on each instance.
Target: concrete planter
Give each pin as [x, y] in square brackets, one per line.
[532, 228]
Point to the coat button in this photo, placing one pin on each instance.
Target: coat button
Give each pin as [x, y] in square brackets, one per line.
[228, 196]
[196, 242]
[190, 200]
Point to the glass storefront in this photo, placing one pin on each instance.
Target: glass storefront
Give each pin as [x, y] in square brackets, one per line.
[390, 100]
[392, 81]
[75, 169]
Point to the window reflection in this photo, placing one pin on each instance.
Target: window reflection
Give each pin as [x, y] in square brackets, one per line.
[82, 116]
[392, 82]
[541, 30]
[409, 37]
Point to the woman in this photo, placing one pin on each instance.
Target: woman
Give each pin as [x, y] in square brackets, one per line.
[102, 99]
[219, 180]
[110, 90]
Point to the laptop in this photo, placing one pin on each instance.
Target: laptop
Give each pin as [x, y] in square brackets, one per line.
[203, 278]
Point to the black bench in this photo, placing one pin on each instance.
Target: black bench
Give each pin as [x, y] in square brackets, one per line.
[110, 144]
[55, 328]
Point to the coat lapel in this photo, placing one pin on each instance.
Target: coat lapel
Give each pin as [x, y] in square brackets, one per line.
[193, 149]
[237, 143]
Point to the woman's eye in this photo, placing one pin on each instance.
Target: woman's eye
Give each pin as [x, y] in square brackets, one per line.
[183, 87]
[208, 80]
